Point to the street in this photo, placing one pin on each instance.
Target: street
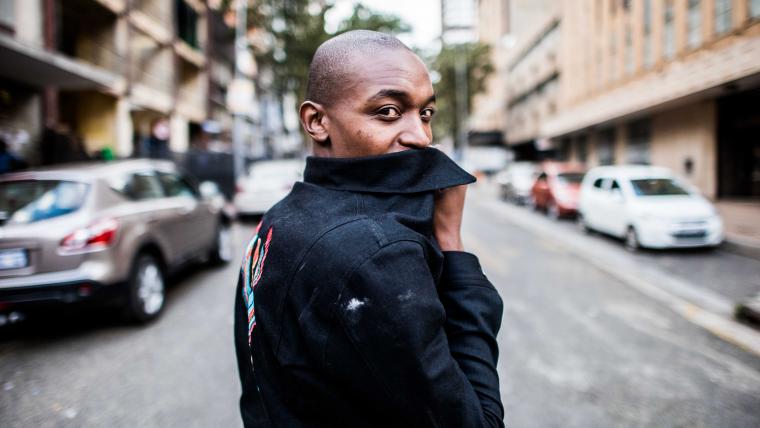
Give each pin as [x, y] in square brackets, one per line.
[578, 346]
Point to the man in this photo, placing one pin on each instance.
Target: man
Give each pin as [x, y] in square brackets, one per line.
[356, 306]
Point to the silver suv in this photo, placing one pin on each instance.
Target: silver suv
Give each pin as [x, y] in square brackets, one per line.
[104, 230]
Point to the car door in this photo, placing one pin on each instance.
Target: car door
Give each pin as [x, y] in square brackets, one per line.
[615, 212]
[593, 202]
[192, 226]
[541, 190]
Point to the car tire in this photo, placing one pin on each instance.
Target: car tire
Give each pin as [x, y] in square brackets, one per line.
[221, 252]
[146, 289]
[632, 240]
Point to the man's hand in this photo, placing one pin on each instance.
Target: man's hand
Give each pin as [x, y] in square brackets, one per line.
[447, 220]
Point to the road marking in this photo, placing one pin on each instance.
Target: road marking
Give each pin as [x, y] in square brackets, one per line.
[699, 306]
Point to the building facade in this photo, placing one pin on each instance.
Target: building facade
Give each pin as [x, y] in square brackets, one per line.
[674, 83]
[108, 70]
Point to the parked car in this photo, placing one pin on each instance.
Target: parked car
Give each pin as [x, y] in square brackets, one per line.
[556, 188]
[516, 181]
[648, 207]
[106, 232]
[266, 183]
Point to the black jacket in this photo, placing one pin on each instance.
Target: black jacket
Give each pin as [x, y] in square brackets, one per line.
[348, 314]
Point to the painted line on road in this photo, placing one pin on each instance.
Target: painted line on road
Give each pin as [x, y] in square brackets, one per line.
[700, 307]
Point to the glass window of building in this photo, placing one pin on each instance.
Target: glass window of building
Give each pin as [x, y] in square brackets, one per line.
[722, 16]
[648, 60]
[694, 37]
[629, 66]
[7, 14]
[639, 137]
[669, 31]
[754, 8]
[605, 148]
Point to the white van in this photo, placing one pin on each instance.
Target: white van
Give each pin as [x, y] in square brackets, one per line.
[648, 207]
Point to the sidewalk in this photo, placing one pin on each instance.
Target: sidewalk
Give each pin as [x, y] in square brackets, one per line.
[741, 220]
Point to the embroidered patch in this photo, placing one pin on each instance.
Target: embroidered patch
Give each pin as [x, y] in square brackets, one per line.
[253, 266]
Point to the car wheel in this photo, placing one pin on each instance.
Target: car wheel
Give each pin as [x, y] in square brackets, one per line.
[552, 210]
[632, 240]
[221, 253]
[147, 291]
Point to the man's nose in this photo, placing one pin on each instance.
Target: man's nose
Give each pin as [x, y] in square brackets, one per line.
[415, 134]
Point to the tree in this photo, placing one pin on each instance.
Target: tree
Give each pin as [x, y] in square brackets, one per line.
[479, 67]
[297, 28]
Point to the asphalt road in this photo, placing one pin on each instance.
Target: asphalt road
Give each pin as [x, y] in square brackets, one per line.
[578, 349]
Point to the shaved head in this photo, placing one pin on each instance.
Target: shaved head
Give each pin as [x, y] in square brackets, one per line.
[331, 70]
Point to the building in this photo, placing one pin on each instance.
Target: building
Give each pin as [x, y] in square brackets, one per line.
[674, 83]
[522, 91]
[106, 70]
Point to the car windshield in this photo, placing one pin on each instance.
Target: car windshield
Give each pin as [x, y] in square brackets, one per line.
[657, 187]
[28, 201]
[570, 177]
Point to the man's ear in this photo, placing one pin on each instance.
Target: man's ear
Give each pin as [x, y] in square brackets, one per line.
[314, 122]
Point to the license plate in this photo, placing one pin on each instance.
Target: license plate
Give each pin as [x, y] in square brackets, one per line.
[690, 234]
[13, 259]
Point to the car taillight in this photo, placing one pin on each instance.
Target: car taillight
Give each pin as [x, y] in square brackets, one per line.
[99, 234]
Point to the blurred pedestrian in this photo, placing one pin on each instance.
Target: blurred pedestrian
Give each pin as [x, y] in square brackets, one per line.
[156, 146]
[9, 162]
[356, 304]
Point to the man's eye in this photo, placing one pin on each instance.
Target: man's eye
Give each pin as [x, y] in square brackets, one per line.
[389, 112]
[427, 114]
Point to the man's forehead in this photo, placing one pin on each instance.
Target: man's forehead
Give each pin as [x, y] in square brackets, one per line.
[393, 69]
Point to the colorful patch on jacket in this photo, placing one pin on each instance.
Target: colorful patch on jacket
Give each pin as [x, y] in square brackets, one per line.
[253, 266]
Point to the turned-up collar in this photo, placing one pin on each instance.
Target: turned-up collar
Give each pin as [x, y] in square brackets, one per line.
[408, 171]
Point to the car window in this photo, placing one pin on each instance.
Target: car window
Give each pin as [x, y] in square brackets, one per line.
[138, 186]
[598, 183]
[657, 187]
[175, 185]
[614, 186]
[570, 177]
[542, 177]
[29, 201]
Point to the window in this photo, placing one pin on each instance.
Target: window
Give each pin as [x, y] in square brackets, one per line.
[639, 137]
[629, 66]
[669, 44]
[598, 183]
[722, 16]
[582, 152]
[7, 14]
[606, 147]
[657, 187]
[28, 201]
[175, 185]
[187, 23]
[614, 186]
[694, 36]
[754, 8]
[139, 186]
[648, 60]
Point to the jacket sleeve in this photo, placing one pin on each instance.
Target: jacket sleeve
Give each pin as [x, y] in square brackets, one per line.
[391, 312]
[473, 317]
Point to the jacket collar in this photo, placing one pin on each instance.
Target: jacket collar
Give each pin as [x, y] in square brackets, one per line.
[409, 171]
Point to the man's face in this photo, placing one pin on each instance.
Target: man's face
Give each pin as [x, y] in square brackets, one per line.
[386, 106]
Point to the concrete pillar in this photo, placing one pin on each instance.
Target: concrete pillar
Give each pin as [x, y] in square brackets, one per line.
[124, 129]
[180, 133]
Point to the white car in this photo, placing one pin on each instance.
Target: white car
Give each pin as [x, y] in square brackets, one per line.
[266, 183]
[516, 181]
[649, 207]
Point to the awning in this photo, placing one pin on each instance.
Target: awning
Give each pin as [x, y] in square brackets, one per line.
[37, 67]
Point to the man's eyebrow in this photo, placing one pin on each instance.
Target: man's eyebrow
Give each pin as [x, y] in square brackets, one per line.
[399, 95]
